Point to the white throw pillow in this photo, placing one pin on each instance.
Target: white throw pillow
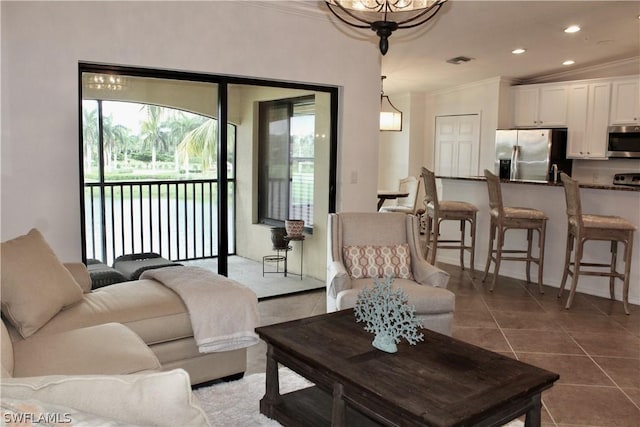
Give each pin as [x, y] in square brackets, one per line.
[151, 399]
[35, 284]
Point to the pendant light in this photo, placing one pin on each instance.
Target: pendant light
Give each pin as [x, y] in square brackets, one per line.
[390, 116]
[384, 16]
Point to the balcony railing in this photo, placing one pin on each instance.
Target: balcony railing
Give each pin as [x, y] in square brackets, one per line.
[176, 219]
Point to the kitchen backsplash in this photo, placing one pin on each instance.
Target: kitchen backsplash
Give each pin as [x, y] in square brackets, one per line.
[602, 171]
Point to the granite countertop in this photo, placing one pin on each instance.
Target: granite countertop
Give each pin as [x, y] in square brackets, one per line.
[547, 183]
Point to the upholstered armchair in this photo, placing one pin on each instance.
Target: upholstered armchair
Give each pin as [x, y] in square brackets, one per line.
[362, 246]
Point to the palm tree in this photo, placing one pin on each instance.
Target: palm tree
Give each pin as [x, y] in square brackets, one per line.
[179, 125]
[89, 132]
[121, 137]
[201, 142]
[108, 140]
[151, 131]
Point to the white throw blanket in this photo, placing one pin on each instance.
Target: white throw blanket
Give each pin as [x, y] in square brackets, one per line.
[224, 313]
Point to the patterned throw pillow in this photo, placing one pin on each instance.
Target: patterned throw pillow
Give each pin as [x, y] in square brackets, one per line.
[378, 261]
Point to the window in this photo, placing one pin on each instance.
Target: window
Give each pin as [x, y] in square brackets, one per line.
[286, 160]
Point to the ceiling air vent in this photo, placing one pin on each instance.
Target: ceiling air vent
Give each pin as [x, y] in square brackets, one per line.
[459, 60]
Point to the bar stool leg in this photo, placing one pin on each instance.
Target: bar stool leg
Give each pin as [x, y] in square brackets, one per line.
[492, 234]
[542, 231]
[428, 245]
[614, 260]
[627, 271]
[473, 245]
[462, 233]
[496, 270]
[567, 262]
[576, 270]
[529, 245]
[434, 243]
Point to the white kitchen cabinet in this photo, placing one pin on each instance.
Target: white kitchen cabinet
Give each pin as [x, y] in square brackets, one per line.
[588, 119]
[540, 106]
[625, 101]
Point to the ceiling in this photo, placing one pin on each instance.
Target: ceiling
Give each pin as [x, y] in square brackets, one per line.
[488, 31]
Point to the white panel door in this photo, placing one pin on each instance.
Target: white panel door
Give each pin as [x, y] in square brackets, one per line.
[457, 145]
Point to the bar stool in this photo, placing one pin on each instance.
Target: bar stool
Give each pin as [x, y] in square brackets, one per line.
[512, 218]
[582, 227]
[437, 211]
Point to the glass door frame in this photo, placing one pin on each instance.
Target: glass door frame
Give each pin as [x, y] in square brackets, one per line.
[222, 82]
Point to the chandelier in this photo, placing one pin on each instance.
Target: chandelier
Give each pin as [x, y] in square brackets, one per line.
[380, 15]
[103, 81]
[390, 116]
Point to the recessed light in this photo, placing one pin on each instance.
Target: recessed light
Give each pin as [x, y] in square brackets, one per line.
[569, 62]
[518, 51]
[572, 29]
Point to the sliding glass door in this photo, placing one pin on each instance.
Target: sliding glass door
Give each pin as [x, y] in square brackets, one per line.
[155, 177]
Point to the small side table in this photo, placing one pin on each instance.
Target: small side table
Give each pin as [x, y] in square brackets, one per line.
[277, 259]
[300, 239]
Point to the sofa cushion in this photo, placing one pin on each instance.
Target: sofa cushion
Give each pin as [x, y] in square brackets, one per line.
[80, 274]
[158, 399]
[148, 308]
[425, 299]
[378, 261]
[110, 348]
[35, 285]
[17, 411]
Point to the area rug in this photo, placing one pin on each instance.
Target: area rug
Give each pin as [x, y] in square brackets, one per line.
[237, 403]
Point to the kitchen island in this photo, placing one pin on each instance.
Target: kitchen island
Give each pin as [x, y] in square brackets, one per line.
[549, 197]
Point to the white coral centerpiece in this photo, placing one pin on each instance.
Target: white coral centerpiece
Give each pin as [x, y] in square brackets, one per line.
[387, 315]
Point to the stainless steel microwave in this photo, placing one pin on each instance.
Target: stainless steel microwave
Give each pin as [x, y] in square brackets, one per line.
[624, 142]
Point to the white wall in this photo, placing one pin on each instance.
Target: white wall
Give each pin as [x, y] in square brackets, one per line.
[401, 153]
[482, 98]
[393, 158]
[42, 43]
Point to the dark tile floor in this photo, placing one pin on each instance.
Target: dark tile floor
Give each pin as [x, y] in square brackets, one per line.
[594, 346]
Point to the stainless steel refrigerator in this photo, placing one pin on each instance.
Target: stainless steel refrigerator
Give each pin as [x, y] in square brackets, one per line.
[530, 154]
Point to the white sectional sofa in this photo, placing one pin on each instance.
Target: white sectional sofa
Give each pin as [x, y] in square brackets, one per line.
[35, 307]
[59, 335]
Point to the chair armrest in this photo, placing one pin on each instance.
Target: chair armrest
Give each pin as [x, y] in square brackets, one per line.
[337, 278]
[427, 274]
[80, 273]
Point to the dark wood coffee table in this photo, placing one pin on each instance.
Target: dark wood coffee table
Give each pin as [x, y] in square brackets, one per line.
[438, 382]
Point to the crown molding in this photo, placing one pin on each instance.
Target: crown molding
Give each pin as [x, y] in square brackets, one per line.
[492, 80]
[573, 73]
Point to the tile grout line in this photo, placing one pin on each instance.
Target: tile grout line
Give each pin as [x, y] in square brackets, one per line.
[542, 401]
[601, 368]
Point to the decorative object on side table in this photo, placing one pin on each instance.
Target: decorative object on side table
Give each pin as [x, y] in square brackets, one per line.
[387, 315]
[294, 227]
[278, 237]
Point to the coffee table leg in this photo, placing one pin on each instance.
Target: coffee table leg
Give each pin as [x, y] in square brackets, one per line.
[272, 390]
[533, 414]
[338, 410]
